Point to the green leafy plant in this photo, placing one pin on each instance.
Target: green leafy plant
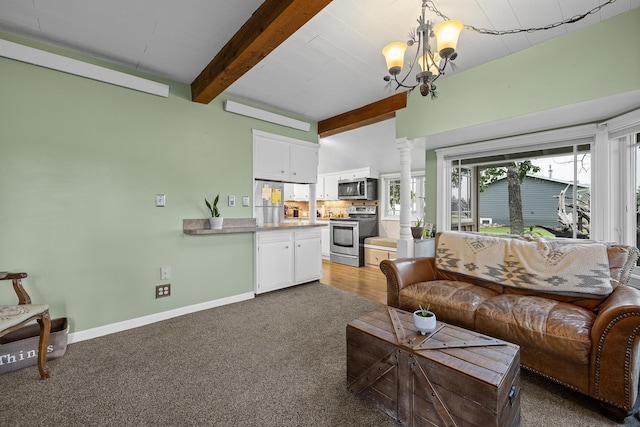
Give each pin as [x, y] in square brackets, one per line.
[213, 207]
[419, 222]
[424, 312]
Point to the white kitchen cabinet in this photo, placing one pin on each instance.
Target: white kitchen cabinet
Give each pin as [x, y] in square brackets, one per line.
[303, 163]
[289, 192]
[301, 192]
[270, 159]
[308, 255]
[297, 192]
[320, 188]
[286, 257]
[279, 158]
[331, 186]
[326, 243]
[359, 173]
[274, 261]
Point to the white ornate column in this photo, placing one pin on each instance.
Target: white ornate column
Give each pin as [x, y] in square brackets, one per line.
[405, 245]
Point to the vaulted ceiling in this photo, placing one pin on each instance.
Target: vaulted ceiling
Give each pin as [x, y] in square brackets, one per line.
[330, 65]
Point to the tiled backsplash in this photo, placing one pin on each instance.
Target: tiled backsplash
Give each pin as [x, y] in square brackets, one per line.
[336, 208]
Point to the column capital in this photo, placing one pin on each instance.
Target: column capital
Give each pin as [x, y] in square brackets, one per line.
[404, 143]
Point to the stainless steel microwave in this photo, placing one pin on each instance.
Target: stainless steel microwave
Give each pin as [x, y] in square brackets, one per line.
[358, 189]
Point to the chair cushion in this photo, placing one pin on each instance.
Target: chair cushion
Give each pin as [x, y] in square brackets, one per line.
[547, 325]
[13, 315]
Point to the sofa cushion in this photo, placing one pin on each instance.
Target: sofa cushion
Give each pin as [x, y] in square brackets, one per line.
[543, 265]
[451, 301]
[547, 325]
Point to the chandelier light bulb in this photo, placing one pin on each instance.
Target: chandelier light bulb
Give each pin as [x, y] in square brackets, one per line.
[447, 34]
[427, 64]
[394, 54]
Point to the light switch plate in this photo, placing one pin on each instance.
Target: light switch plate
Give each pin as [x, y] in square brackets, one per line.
[245, 201]
[232, 201]
[161, 200]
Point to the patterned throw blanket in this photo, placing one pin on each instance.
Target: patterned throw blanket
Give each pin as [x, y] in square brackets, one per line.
[545, 265]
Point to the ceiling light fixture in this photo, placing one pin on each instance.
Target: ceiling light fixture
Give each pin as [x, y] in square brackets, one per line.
[433, 63]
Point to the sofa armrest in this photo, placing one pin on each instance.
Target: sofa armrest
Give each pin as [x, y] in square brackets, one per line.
[403, 272]
[615, 355]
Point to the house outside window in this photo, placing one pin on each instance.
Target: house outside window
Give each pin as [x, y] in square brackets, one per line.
[390, 200]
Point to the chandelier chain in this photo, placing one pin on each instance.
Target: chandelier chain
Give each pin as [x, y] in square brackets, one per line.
[432, 7]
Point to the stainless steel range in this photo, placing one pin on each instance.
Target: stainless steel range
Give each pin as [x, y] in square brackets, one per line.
[348, 234]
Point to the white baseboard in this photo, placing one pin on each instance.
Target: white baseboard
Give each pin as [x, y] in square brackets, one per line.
[100, 331]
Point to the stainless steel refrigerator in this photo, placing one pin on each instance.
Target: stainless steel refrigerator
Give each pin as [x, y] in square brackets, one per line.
[268, 202]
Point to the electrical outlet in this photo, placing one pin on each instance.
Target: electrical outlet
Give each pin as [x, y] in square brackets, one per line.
[245, 201]
[163, 290]
[232, 201]
[161, 200]
[165, 273]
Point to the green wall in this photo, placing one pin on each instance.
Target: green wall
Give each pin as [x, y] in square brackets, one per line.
[81, 164]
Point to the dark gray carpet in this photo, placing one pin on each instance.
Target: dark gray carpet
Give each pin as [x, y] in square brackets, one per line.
[283, 366]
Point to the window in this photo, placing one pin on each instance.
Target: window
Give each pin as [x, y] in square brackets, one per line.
[636, 272]
[525, 185]
[391, 196]
[463, 216]
[541, 192]
[622, 136]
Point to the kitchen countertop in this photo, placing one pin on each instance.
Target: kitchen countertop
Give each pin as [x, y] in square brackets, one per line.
[241, 225]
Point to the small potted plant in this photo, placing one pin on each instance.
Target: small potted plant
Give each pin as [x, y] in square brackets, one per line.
[215, 221]
[424, 320]
[418, 230]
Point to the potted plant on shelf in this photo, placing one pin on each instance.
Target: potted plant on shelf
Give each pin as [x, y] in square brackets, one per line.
[424, 320]
[418, 230]
[215, 221]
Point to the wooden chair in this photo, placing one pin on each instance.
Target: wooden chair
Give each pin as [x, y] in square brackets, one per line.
[13, 317]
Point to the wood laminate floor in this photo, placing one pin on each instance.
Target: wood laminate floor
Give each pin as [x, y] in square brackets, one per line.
[367, 282]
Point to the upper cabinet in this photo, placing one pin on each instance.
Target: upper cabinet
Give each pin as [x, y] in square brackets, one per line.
[279, 158]
[359, 173]
[303, 163]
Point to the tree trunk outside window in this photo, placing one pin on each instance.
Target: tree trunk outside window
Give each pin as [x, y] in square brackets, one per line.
[516, 222]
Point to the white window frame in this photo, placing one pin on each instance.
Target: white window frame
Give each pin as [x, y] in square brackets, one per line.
[384, 200]
[569, 136]
[621, 137]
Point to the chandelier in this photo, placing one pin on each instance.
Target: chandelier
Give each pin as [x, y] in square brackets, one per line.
[432, 64]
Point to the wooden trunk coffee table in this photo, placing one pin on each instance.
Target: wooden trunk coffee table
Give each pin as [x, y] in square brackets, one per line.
[451, 377]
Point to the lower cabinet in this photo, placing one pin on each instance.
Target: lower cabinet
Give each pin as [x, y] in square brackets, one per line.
[286, 257]
[373, 257]
[308, 256]
[326, 243]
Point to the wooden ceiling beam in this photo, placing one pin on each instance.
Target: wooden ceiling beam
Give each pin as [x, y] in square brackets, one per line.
[363, 116]
[270, 25]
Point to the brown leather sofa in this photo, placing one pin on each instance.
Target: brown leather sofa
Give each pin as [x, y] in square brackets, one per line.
[591, 345]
